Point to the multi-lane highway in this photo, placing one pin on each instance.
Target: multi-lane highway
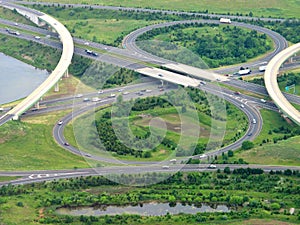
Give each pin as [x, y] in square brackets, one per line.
[249, 109]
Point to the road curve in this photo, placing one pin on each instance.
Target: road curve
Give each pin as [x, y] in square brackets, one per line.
[129, 42]
[58, 72]
[250, 111]
[270, 78]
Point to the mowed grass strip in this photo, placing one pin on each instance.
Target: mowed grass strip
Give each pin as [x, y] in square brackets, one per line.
[29, 145]
[273, 8]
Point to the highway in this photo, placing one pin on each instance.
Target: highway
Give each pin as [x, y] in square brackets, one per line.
[28, 177]
[249, 109]
[272, 87]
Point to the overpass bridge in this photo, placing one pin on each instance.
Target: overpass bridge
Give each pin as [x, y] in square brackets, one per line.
[61, 69]
[272, 87]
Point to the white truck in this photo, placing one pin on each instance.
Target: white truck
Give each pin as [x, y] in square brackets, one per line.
[244, 71]
[225, 20]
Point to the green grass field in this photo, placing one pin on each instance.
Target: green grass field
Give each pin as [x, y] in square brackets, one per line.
[273, 8]
[10, 15]
[283, 153]
[29, 145]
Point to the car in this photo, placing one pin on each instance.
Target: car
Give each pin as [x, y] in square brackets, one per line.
[202, 156]
[212, 166]
[100, 92]
[125, 93]
[148, 91]
[202, 82]
[237, 93]
[78, 95]
[160, 75]
[120, 90]
[250, 134]
[86, 43]
[263, 100]
[1, 109]
[254, 121]
[165, 167]
[140, 94]
[60, 122]
[95, 99]
[161, 89]
[48, 36]
[37, 37]
[242, 106]
[88, 51]
[173, 161]
[94, 53]
[112, 95]
[227, 75]
[16, 24]
[88, 155]
[66, 144]
[86, 99]
[218, 79]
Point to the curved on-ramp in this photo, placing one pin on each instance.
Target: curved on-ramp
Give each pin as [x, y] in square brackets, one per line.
[58, 72]
[272, 87]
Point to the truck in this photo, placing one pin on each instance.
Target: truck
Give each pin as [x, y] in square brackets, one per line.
[244, 71]
[225, 20]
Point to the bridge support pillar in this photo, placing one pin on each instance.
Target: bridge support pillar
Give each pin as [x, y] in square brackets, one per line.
[66, 74]
[162, 82]
[56, 87]
[37, 105]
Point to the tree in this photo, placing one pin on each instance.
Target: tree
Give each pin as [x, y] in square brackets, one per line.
[246, 145]
[227, 170]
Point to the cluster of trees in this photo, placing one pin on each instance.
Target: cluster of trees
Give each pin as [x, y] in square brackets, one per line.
[229, 46]
[101, 75]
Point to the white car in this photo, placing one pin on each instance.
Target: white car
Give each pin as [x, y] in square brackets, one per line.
[242, 106]
[202, 156]
[78, 95]
[212, 166]
[60, 122]
[100, 92]
[86, 43]
[165, 167]
[263, 101]
[37, 37]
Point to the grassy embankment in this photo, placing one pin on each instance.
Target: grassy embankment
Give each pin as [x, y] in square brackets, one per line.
[275, 8]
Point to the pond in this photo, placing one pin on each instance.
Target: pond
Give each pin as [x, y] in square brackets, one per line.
[18, 79]
[147, 209]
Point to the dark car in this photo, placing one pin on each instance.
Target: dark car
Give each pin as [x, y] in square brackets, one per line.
[66, 144]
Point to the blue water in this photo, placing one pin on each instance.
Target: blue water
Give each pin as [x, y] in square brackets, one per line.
[147, 209]
[18, 79]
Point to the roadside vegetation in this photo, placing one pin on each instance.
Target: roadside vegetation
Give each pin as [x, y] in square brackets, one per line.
[259, 8]
[14, 16]
[40, 56]
[216, 45]
[286, 79]
[249, 193]
[277, 144]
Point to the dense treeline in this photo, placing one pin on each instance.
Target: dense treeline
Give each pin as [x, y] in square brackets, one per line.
[228, 46]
